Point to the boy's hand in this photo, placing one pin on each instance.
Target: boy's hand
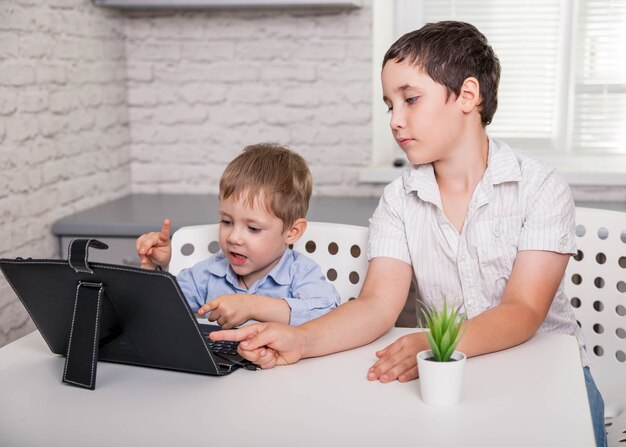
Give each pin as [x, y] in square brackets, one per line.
[230, 310]
[266, 344]
[235, 309]
[155, 249]
[399, 359]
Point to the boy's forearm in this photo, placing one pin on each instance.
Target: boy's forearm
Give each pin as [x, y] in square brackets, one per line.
[363, 320]
[496, 329]
[353, 324]
[304, 310]
[266, 308]
[525, 303]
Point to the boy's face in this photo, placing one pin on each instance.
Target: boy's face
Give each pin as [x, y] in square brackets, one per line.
[423, 123]
[252, 238]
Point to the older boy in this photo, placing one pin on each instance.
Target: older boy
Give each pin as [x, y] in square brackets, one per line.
[473, 220]
[264, 197]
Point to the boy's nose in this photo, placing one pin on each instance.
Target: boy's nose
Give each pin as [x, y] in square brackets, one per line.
[397, 120]
[234, 236]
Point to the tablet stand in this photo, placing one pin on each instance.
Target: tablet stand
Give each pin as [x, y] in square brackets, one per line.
[82, 350]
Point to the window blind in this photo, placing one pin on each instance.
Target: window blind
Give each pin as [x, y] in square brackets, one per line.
[563, 83]
[599, 98]
[525, 36]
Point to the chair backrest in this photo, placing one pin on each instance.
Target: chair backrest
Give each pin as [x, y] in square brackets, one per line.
[340, 251]
[193, 244]
[595, 283]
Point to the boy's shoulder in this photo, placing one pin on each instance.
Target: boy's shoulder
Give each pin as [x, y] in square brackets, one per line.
[292, 266]
[533, 172]
[535, 185]
[300, 261]
[216, 264]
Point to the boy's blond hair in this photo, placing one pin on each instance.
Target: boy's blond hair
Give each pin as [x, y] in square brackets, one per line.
[274, 177]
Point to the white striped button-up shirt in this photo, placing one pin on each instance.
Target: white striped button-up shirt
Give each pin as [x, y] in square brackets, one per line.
[520, 204]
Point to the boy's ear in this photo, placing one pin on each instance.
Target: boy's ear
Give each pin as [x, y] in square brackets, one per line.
[470, 94]
[296, 231]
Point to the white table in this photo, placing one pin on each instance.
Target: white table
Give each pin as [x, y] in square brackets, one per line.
[531, 395]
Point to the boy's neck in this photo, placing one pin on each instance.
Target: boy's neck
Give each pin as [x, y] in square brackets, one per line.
[252, 277]
[458, 175]
[463, 169]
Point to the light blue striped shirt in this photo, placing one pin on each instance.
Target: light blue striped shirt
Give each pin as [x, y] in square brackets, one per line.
[296, 278]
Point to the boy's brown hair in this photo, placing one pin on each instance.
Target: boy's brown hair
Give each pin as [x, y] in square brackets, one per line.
[275, 176]
[450, 52]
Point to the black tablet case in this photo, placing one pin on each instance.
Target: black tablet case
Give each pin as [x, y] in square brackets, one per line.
[94, 311]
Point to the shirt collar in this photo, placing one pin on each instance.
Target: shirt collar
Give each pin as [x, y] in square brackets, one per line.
[502, 166]
[281, 273]
[421, 180]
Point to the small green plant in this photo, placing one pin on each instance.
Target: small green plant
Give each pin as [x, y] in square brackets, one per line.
[445, 330]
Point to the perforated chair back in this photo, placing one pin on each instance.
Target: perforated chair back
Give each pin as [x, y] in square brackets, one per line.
[193, 244]
[595, 283]
[340, 251]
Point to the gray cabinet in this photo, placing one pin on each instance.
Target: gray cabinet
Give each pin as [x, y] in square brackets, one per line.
[118, 223]
[121, 250]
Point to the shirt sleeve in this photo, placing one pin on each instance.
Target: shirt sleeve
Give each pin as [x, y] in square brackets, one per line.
[549, 223]
[387, 235]
[311, 294]
[194, 284]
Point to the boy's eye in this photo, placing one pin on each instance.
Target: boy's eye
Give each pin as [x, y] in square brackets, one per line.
[412, 99]
[389, 109]
[254, 229]
[225, 222]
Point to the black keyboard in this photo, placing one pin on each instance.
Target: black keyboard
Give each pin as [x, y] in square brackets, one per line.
[223, 347]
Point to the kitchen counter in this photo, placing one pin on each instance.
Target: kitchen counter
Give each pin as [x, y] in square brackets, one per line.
[135, 214]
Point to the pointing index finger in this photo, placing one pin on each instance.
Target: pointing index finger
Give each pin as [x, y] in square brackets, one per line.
[209, 307]
[240, 334]
[164, 234]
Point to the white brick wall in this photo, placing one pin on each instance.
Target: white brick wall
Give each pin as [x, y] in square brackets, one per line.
[204, 84]
[64, 138]
[89, 96]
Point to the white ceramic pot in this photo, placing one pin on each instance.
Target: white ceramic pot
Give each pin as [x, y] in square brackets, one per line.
[440, 382]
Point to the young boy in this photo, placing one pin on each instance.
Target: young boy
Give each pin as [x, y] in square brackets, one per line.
[264, 197]
[474, 221]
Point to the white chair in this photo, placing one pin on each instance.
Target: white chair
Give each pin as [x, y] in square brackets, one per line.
[340, 251]
[595, 283]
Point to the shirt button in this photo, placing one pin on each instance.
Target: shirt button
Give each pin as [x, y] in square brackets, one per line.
[497, 229]
[563, 240]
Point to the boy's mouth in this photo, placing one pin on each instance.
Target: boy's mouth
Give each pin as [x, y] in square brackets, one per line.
[403, 141]
[237, 258]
